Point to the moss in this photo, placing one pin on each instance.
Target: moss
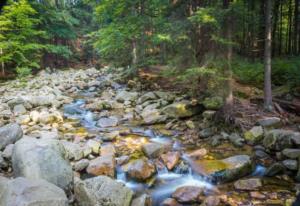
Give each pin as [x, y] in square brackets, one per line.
[213, 103]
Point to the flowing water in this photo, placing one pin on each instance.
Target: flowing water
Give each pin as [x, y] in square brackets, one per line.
[165, 182]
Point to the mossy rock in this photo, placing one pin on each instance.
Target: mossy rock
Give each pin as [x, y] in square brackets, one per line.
[213, 103]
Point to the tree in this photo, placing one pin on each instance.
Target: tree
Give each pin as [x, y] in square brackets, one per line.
[267, 57]
[19, 37]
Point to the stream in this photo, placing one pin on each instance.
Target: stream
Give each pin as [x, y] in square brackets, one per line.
[165, 182]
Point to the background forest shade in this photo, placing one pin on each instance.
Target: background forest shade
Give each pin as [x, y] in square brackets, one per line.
[187, 36]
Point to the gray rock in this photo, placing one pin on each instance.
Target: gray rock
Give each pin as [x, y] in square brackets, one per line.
[7, 152]
[42, 159]
[24, 192]
[153, 150]
[291, 164]
[248, 184]
[126, 96]
[207, 132]
[16, 101]
[181, 109]
[81, 165]
[254, 135]
[146, 97]
[278, 139]
[140, 169]
[270, 122]
[102, 191]
[19, 109]
[208, 114]
[153, 116]
[143, 200]
[291, 153]
[9, 134]
[275, 169]
[108, 122]
[236, 140]
[73, 150]
[225, 170]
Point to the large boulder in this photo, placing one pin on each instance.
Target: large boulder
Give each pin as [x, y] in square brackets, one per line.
[188, 194]
[255, 134]
[181, 109]
[24, 192]
[102, 191]
[42, 159]
[153, 149]
[126, 96]
[108, 122]
[9, 134]
[270, 122]
[140, 169]
[103, 165]
[153, 116]
[278, 139]
[224, 170]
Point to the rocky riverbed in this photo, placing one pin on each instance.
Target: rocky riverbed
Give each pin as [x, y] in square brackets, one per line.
[78, 137]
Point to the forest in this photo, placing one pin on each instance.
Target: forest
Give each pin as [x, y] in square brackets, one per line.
[149, 102]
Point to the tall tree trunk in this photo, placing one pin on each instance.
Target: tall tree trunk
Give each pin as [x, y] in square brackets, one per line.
[280, 29]
[228, 84]
[134, 54]
[2, 63]
[290, 23]
[296, 27]
[267, 57]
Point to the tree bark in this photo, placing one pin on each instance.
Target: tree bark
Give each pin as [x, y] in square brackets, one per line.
[2, 64]
[267, 57]
[296, 27]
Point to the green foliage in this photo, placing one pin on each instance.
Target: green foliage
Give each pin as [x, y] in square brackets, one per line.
[19, 35]
[23, 71]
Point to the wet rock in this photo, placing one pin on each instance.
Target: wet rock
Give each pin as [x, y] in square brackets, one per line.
[275, 169]
[212, 201]
[170, 202]
[248, 184]
[73, 150]
[126, 96]
[103, 165]
[236, 140]
[290, 164]
[153, 116]
[217, 140]
[81, 165]
[143, 200]
[278, 139]
[213, 103]
[122, 160]
[225, 170]
[188, 194]
[254, 135]
[207, 132]
[146, 97]
[152, 149]
[291, 153]
[102, 191]
[42, 159]
[198, 154]
[140, 169]
[9, 134]
[108, 122]
[270, 122]
[25, 192]
[181, 109]
[19, 109]
[170, 159]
